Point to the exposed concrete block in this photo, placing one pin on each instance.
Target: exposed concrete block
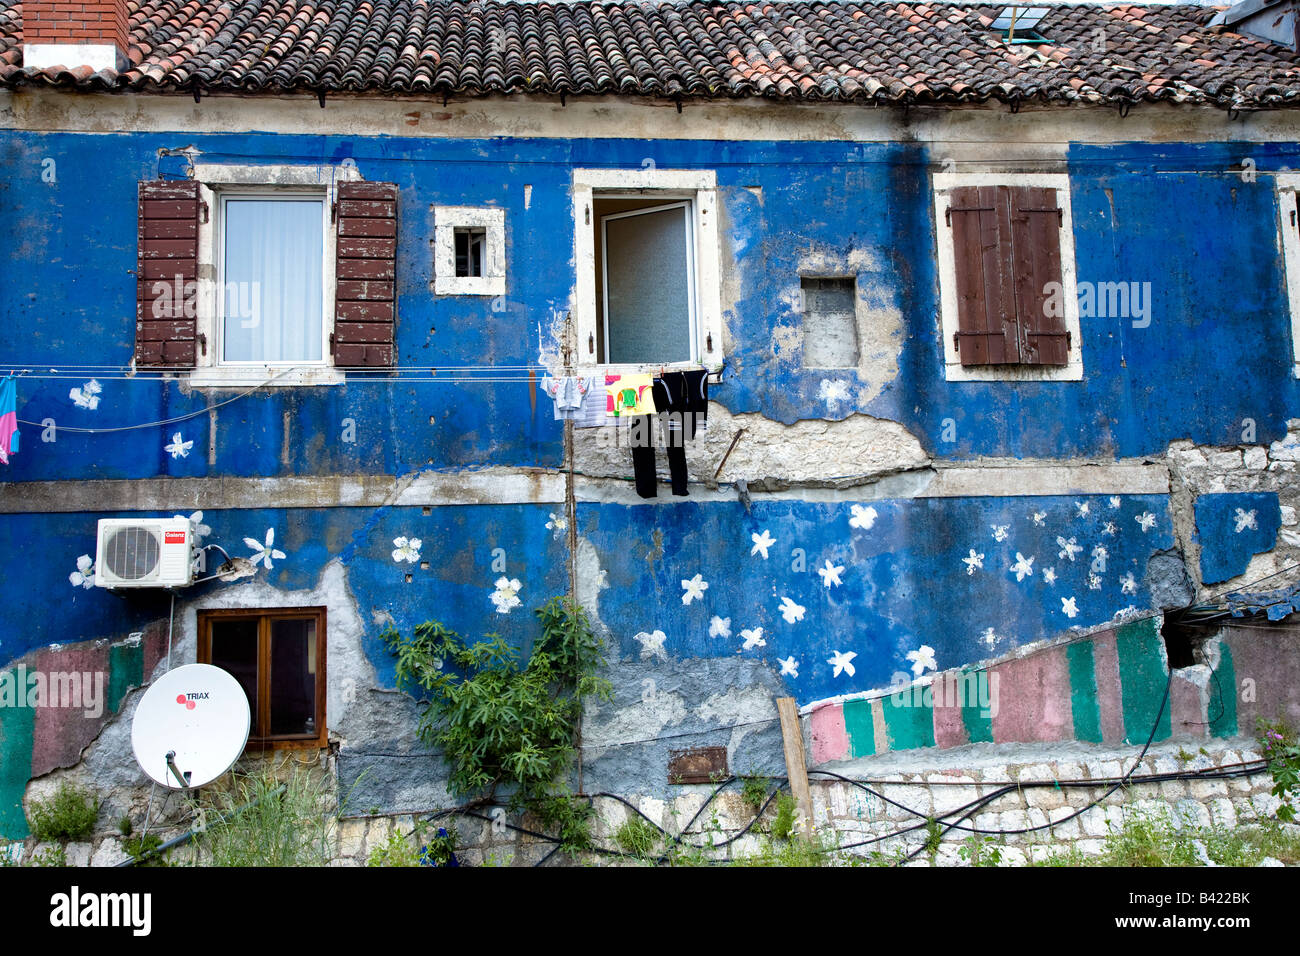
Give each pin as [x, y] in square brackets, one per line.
[78, 854]
[351, 837]
[1255, 458]
[108, 853]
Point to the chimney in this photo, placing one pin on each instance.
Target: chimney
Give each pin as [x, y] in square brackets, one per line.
[75, 33]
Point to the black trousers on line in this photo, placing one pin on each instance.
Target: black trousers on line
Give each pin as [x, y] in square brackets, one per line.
[643, 460]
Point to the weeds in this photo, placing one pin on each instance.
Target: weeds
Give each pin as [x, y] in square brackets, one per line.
[261, 821]
[70, 814]
[637, 837]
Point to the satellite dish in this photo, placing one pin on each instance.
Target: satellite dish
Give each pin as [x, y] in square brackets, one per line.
[191, 726]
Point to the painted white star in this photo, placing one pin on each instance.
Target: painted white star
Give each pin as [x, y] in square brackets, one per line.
[790, 611]
[1128, 584]
[84, 576]
[1146, 519]
[652, 645]
[1245, 519]
[922, 660]
[1039, 516]
[761, 543]
[842, 662]
[1109, 528]
[973, 561]
[989, 638]
[1082, 507]
[1068, 548]
[1024, 567]
[830, 574]
[1114, 501]
[1000, 531]
[789, 667]
[862, 518]
[753, 638]
[694, 589]
[406, 549]
[181, 449]
[506, 594]
[1069, 607]
[720, 627]
[1049, 575]
[263, 552]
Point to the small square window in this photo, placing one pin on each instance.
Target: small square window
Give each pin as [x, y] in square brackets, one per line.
[830, 322]
[469, 252]
[278, 657]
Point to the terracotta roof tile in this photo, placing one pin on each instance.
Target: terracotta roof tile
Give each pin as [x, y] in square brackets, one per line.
[872, 52]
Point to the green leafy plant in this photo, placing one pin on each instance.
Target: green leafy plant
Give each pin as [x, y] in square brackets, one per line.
[1278, 742]
[637, 837]
[399, 849]
[51, 856]
[981, 851]
[503, 725]
[69, 814]
[933, 837]
[142, 849]
[753, 790]
[783, 822]
[264, 821]
[124, 826]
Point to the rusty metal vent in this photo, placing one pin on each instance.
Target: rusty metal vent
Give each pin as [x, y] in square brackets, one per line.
[698, 765]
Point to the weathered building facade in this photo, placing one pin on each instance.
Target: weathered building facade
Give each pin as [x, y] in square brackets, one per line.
[909, 469]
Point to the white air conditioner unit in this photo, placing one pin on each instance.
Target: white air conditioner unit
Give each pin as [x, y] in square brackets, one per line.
[144, 553]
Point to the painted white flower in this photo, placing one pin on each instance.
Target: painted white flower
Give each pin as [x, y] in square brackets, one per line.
[1146, 519]
[178, 448]
[862, 517]
[87, 396]
[84, 576]
[922, 660]
[694, 589]
[990, 638]
[720, 627]
[1094, 582]
[1039, 517]
[1049, 575]
[753, 638]
[263, 552]
[652, 645]
[973, 561]
[1024, 567]
[1082, 507]
[789, 667]
[842, 663]
[196, 522]
[833, 391]
[407, 549]
[831, 574]
[1128, 584]
[790, 611]
[761, 543]
[1109, 528]
[1114, 501]
[558, 524]
[506, 595]
[1245, 519]
[1068, 548]
[1069, 607]
[1000, 531]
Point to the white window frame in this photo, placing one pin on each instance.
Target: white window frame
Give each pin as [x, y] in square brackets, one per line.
[699, 188]
[954, 371]
[218, 181]
[1287, 186]
[446, 220]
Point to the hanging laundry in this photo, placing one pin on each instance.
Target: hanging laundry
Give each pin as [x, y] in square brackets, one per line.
[681, 401]
[630, 395]
[580, 399]
[8, 418]
[594, 412]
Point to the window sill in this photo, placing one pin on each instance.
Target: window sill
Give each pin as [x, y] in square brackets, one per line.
[248, 376]
[956, 372]
[644, 368]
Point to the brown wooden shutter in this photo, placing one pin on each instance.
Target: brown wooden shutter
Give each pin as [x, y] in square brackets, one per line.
[1036, 223]
[980, 219]
[167, 273]
[365, 299]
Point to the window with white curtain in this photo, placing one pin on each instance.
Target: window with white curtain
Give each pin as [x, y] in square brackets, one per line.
[271, 287]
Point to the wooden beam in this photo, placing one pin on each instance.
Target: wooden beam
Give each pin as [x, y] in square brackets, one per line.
[796, 764]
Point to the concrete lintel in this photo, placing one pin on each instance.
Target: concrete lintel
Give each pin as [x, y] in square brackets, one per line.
[1025, 478]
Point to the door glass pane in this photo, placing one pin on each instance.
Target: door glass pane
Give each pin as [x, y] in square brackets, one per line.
[272, 282]
[647, 258]
[234, 649]
[293, 677]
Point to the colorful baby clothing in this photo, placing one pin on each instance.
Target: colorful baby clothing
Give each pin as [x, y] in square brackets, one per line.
[630, 395]
[568, 392]
[594, 412]
[8, 418]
